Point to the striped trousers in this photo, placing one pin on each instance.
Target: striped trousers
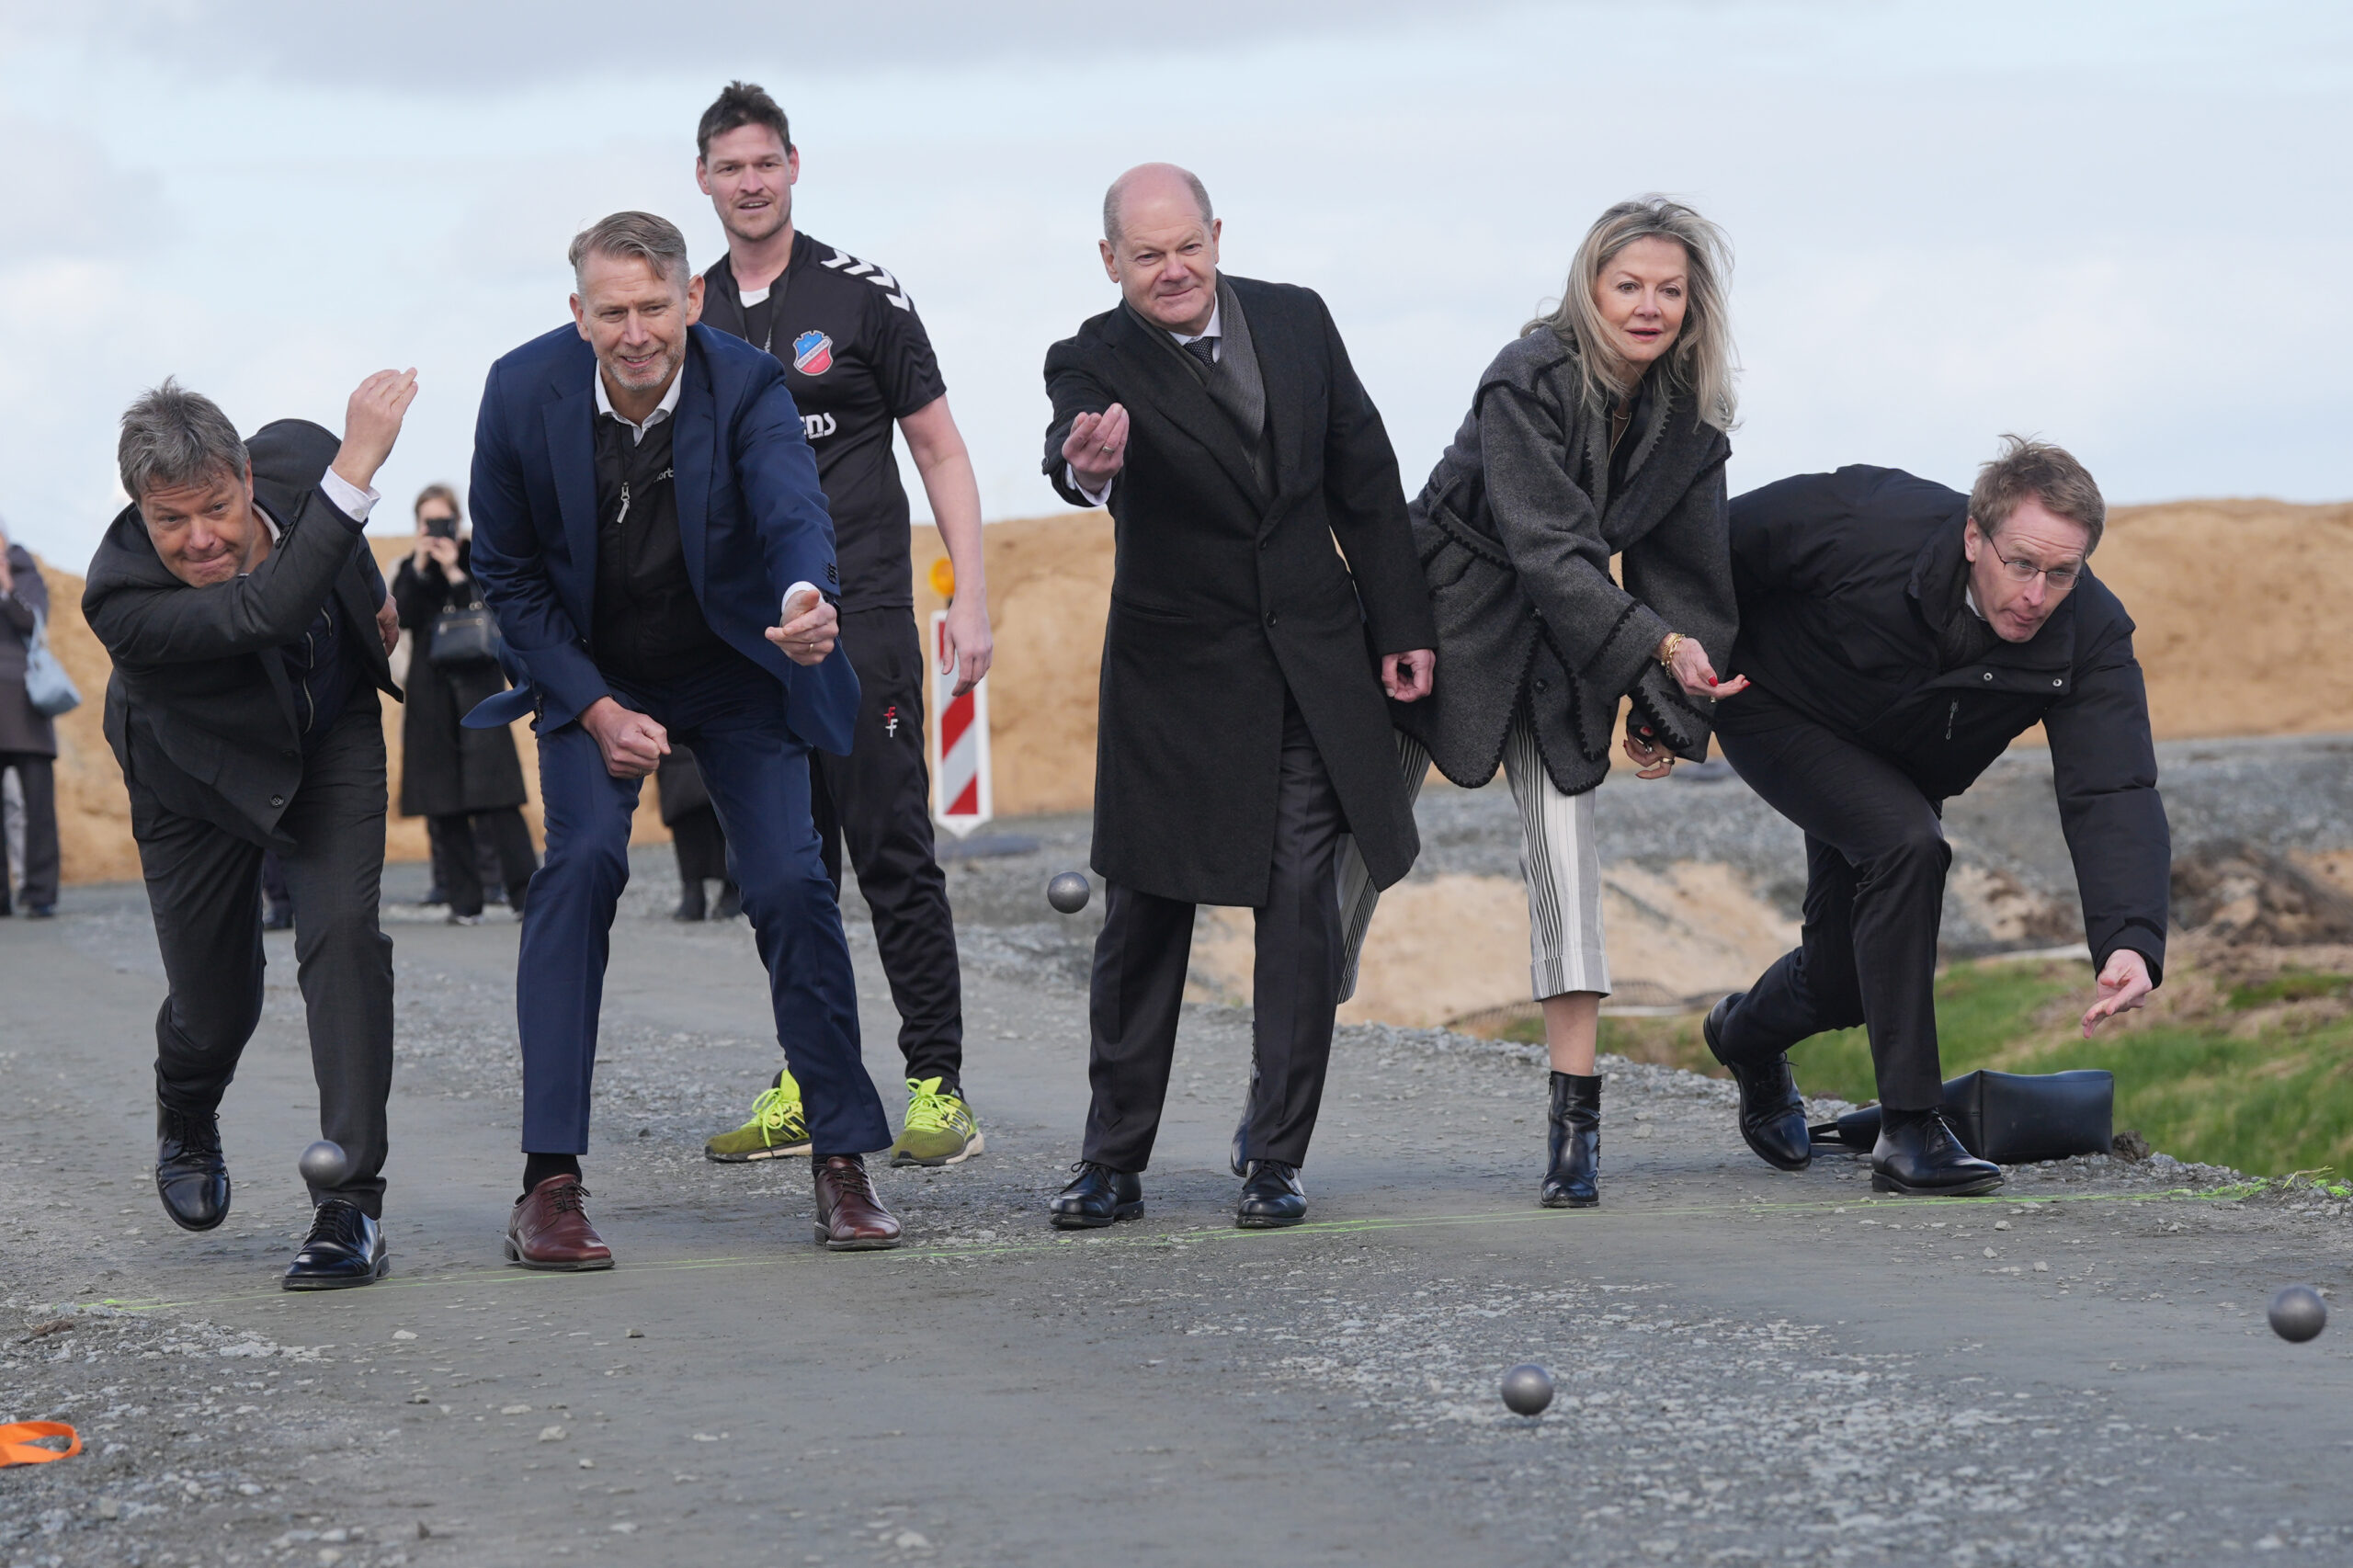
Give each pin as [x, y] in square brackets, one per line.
[1559, 861]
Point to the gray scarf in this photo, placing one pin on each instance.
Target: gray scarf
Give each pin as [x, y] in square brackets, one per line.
[1233, 383]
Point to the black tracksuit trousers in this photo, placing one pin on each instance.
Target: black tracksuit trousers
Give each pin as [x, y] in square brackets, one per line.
[877, 803]
[1876, 859]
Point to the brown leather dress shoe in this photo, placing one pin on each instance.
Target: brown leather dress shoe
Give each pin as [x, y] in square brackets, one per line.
[850, 1218]
[551, 1230]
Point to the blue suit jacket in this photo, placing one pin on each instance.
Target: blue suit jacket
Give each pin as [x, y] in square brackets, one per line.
[751, 519]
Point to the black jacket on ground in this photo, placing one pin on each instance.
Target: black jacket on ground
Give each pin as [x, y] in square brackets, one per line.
[1226, 592]
[199, 710]
[446, 769]
[1515, 530]
[1843, 579]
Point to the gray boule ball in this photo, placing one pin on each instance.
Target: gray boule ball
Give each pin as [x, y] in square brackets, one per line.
[1528, 1389]
[1069, 892]
[324, 1163]
[2298, 1314]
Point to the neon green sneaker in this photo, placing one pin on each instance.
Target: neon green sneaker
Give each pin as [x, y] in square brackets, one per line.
[779, 1128]
[939, 1128]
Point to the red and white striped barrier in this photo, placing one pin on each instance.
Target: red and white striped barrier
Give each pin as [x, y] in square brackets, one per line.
[961, 799]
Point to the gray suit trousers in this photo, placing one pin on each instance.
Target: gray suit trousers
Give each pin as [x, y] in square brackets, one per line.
[204, 888]
[1141, 959]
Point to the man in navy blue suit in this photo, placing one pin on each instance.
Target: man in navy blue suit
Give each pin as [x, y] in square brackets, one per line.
[644, 501]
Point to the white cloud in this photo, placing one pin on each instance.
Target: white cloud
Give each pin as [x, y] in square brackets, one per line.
[2120, 226]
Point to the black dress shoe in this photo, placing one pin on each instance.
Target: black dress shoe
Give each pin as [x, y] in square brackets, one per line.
[190, 1176]
[1272, 1197]
[1574, 1180]
[345, 1248]
[1100, 1196]
[1772, 1112]
[730, 902]
[1919, 1157]
[690, 903]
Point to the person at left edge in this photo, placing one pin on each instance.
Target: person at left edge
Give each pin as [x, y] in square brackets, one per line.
[643, 503]
[250, 633]
[27, 737]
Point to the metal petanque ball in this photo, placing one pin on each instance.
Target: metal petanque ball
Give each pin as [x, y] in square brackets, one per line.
[325, 1163]
[1528, 1389]
[2298, 1314]
[1069, 892]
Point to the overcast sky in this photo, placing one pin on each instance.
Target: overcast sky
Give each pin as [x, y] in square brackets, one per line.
[2125, 227]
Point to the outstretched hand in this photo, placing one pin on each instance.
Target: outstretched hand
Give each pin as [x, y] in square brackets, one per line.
[1697, 676]
[371, 422]
[2124, 985]
[1097, 446]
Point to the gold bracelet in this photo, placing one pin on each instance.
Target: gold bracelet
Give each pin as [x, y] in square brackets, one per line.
[1669, 649]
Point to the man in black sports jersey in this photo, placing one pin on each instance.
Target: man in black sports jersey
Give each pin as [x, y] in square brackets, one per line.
[857, 361]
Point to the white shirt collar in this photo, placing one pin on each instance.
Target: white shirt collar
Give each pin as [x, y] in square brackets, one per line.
[1969, 598]
[663, 410]
[1208, 330]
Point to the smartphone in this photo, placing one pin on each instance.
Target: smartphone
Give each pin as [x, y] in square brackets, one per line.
[441, 527]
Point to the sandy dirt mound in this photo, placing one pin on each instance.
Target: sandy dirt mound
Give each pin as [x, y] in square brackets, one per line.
[2227, 595]
[1453, 946]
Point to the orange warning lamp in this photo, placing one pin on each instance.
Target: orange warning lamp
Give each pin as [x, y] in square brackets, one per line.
[943, 578]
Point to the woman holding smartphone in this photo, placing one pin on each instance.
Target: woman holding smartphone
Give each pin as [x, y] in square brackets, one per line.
[453, 777]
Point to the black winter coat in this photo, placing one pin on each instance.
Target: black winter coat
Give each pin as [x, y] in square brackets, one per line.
[23, 727]
[1226, 593]
[1843, 580]
[1515, 530]
[446, 769]
[199, 710]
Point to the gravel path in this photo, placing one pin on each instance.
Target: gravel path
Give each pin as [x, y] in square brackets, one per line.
[1753, 1367]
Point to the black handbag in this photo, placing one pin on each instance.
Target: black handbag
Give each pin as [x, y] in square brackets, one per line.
[2011, 1119]
[464, 637]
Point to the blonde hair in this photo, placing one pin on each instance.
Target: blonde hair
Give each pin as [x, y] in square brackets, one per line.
[1701, 363]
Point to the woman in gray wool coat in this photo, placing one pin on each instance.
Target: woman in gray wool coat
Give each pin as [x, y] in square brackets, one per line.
[1599, 431]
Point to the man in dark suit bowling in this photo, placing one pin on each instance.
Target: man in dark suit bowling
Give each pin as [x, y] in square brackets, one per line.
[249, 630]
[644, 502]
[1242, 729]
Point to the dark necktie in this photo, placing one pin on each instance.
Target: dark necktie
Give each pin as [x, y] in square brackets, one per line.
[1204, 350]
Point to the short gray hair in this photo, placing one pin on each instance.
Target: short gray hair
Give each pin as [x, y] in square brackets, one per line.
[652, 240]
[1118, 188]
[172, 436]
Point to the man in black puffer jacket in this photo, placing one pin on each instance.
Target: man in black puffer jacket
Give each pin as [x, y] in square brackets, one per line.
[1900, 636]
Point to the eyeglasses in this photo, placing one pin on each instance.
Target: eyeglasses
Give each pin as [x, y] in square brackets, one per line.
[2060, 578]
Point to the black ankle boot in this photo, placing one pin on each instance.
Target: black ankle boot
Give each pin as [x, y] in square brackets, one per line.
[1574, 1179]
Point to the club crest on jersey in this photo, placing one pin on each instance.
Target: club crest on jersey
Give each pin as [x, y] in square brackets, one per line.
[813, 353]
